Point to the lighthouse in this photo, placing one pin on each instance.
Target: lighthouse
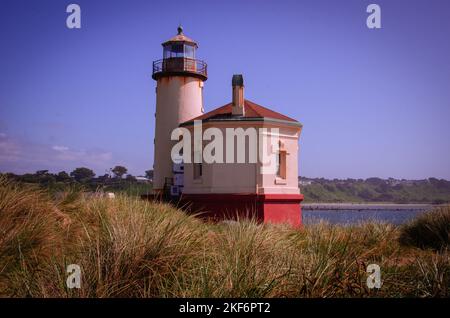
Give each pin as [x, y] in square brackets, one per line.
[221, 189]
[179, 77]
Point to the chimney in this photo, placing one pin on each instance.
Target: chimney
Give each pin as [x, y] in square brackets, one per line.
[238, 95]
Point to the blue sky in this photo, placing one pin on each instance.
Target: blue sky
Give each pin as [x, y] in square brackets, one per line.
[372, 102]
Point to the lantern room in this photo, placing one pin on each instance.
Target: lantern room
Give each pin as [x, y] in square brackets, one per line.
[179, 58]
[179, 46]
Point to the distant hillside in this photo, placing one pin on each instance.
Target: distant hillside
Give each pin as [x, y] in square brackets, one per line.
[430, 190]
[390, 190]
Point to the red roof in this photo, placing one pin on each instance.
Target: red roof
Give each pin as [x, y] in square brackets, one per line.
[180, 38]
[252, 110]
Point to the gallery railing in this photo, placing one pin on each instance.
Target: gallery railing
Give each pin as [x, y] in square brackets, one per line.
[177, 65]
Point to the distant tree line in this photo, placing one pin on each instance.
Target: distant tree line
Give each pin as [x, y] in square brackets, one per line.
[431, 190]
[117, 180]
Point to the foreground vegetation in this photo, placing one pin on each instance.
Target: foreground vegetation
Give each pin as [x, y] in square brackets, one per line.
[131, 248]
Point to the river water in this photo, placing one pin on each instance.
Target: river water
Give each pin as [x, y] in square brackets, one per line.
[358, 216]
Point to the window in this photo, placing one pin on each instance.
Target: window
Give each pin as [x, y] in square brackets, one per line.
[166, 53]
[277, 163]
[281, 164]
[179, 50]
[189, 51]
[181, 139]
[197, 161]
[198, 171]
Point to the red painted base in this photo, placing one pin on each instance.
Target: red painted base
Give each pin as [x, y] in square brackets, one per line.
[267, 208]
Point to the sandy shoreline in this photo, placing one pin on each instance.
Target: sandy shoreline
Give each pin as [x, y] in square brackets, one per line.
[365, 206]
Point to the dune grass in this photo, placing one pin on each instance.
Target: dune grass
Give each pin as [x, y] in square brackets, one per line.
[431, 230]
[127, 247]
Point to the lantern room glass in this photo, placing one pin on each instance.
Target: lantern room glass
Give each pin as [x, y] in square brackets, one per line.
[175, 50]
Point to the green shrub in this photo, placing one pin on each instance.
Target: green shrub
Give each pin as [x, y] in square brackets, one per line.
[431, 230]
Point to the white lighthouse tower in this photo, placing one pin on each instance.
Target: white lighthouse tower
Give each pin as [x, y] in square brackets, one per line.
[179, 97]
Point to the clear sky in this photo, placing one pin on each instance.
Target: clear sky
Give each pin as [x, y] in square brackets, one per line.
[372, 102]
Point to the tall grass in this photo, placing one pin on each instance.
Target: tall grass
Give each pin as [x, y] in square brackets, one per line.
[132, 248]
[431, 230]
